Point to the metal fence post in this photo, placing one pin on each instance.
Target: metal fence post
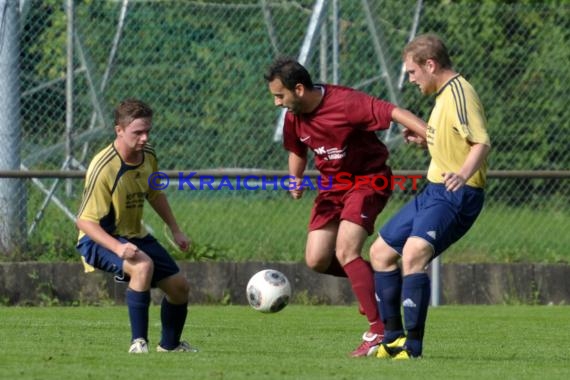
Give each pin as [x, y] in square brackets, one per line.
[12, 203]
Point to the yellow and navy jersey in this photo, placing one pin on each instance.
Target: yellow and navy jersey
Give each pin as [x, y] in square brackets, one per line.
[115, 192]
[456, 121]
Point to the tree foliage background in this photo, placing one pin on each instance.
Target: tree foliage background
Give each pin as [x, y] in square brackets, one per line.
[200, 65]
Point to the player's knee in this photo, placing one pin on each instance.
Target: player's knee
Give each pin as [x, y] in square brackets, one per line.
[176, 289]
[416, 256]
[346, 254]
[184, 288]
[375, 251]
[140, 273]
[318, 264]
[146, 267]
[181, 292]
[382, 256]
[142, 269]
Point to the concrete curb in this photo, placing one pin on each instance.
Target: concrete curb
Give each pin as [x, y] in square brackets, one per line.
[33, 283]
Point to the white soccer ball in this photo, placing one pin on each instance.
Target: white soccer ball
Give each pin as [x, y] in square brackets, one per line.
[268, 291]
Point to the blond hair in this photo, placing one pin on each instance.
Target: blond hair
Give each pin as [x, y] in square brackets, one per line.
[428, 46]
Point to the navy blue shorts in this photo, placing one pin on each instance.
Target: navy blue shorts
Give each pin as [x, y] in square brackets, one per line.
[439, 216]
[105, 260]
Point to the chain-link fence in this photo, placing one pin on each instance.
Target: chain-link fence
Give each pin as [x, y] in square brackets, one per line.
[200, 65]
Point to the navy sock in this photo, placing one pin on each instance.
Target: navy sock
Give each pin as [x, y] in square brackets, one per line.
[415, 300]
[138, 304]
[173, 318]
[388, 292]
[414, 346]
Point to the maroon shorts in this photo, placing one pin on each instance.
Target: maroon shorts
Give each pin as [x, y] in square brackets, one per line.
[357, 205]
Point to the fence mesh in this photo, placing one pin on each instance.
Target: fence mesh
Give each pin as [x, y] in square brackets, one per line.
[200, 64]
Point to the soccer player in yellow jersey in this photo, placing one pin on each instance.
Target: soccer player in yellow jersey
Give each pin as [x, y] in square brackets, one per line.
[112, 237]
[444, 211]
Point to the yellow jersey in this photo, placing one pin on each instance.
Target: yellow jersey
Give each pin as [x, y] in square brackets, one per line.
[456, 120]
[115, 192]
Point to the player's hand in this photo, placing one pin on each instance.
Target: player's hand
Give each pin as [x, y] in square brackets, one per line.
[295, 188]
[128, 251]
[411, 138]
[181, 240]
[296, 194]
[452, 181]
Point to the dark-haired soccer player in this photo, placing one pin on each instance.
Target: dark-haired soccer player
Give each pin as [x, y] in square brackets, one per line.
[338, 124]
[444, 211]
[112, 237]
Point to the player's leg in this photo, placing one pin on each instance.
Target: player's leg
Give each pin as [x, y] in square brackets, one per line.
[173, 311]
[432, 217]
[388, 286]
[432, 228]
[350, 239]
[385, 253]
[320, 249]
[138, 298]
[140, 271]
[138, 292]
[349, 243]
[323, 227]
[361, 207]
[415, 293]
[174, 306]
[444, 218]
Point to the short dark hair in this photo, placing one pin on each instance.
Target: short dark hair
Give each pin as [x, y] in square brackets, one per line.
[428, 46]
[131, 109]
[290, 72]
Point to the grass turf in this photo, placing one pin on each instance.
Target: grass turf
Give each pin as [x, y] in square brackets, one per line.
[301, 342]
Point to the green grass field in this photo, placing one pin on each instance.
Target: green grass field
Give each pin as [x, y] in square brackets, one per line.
[301, 342]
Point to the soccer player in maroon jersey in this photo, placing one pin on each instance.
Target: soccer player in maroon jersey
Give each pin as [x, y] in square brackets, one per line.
[338, 124]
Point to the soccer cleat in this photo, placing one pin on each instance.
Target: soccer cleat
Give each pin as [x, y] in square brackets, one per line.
[392, 349]
[369, 345]
[405, 354]
[139, 346]
[182, 347]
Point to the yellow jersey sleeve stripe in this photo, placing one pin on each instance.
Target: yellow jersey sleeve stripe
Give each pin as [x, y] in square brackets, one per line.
[104, 159]
[459, 100]
[94, 179]
[149, 149]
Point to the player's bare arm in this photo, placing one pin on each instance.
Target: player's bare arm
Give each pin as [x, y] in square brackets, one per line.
[411, 138]
[162, 208]
[100, 236]
[409, 121]
[474, 160]
[297, 165]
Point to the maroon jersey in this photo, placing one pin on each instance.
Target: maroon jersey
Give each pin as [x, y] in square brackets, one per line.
[341, 132]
